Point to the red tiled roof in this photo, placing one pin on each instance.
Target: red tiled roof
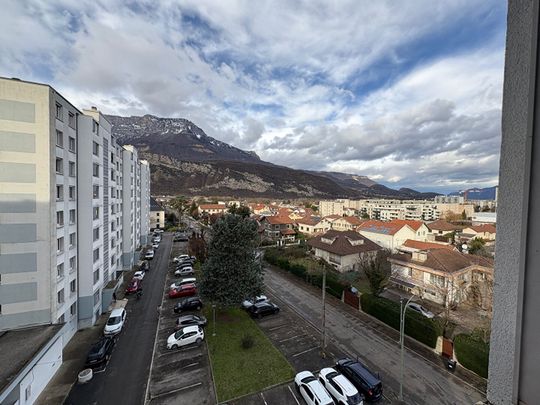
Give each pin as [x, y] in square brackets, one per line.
[448, 261]
[354, 220]
[484, 228]
[331, 217]
[341, 243]
[212, 206]
[279, 220]
[308, 220]
[442, 225]
[386, 228]
[416, 244]
[288, 232]
[416, 225]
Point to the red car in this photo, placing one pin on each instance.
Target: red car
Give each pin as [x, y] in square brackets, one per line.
[186, 290]
[133, 286]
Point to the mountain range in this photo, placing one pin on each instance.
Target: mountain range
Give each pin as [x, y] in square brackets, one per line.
[488, 193]
[184, 160]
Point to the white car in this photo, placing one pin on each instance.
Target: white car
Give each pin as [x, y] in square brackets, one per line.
[249, 303]
[115, 322]
[185, 336]
[139, 274]
[184, 271]
[155, 245]
[149, 255]
[420, 309]
[341, 389]
[311, 389]
[180, 258]
[188, 280]
[158, 230]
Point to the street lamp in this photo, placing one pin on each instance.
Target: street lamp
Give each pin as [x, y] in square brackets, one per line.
[402, 311]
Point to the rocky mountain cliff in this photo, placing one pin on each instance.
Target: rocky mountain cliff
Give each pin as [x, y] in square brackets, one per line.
[184, 160]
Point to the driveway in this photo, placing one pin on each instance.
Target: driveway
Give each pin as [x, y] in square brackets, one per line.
[425, 382]
[125, 377]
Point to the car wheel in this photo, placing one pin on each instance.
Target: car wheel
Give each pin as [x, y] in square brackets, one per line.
[174, 347]
[198, 341]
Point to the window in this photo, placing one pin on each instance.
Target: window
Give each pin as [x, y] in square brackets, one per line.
[113, 260]
[95, 148]
[96, 277]
[71, 216]
[96, 255]
[28, 392]
[72, 239]
[96, 297]
[59, 112]
[59, 218]
[59, 193]
[60, 270]
[59, 245]
[71, 144]
[62, 319]
[73, 286]
[96, 191]
[436, 279]
[95, 127]
[73, 309]
[96, 213]
[59, 165]
[61, 296]
[59, 138]
[71, 120]
[72, 263]
[96, 234]
[95, 170]
[71, 192]
[72, 169]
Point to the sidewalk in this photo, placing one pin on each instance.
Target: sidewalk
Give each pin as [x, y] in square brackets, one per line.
[73, 358]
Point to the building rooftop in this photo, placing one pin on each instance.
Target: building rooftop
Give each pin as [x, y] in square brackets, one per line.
[442, 225]
[416, 225]
[420, 245]
[213, 206]
[155, 206]
[385, 228]
[18, 347]
[443, 260]
[343, 243]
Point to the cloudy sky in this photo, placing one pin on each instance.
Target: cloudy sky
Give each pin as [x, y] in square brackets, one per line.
[405, 92]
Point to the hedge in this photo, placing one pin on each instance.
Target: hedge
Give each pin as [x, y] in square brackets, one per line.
[417, 326]
[473, 353]
[333, 285]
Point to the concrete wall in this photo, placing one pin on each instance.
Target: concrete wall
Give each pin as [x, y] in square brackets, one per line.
[514, 366]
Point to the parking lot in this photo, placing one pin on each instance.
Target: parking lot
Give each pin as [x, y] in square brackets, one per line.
[183, 375]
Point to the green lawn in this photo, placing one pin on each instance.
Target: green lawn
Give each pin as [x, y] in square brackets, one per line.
[238, 371]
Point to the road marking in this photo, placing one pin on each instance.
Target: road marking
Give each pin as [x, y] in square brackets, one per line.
[278, 327]
[190, 365]
[264, 400]
[292, 393]
[305, 351]
[292, 337]
[177, 390]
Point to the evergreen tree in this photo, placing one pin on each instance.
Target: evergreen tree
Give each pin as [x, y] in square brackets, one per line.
[231, 272]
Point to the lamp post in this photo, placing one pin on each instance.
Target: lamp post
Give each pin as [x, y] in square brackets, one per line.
[403, 310]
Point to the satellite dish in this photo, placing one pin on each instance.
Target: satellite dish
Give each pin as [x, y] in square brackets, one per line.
[464, 246]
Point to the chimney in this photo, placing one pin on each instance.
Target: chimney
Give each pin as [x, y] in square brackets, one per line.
[420, 256]
[94, 108]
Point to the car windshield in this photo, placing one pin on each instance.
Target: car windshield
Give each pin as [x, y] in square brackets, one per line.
[114, 320]
[354, 399]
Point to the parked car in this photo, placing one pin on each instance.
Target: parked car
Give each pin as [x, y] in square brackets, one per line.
[144, 265]
[185, 336]
[185, 261]
[155, 245]
[189, 320]
[100, 352]
[188, 303]
[311, 389]
[180, 258]
[184, 271]
[158, 230]
[116, 321]
[362, 378]
[133, 286]
[250, 302]
[149, 255]
[421, 310]
[188, 280]
[186, 290]
[341, 389]
[156, 239]
[139, 274]
[262, 309]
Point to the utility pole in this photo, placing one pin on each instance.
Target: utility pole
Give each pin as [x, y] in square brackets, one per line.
[324, 311]
[403, 310]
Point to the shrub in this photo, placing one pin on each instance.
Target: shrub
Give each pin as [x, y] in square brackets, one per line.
[418, 327]
[247, 342]
[473, 353]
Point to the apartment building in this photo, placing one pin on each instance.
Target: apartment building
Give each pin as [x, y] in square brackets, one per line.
[61, 227]
[331, 207]
[145, 202]
[157, 215]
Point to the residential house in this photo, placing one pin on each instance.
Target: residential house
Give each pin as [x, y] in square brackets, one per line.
[157, 215]
[212, 209]
[276, 227]
[343, 249]
[486, 232]
[419, 227]
[411, 245]
[480, 218]
[389, 235]
[442, 227]
[444, 276]
[308, 225]
[346, 223]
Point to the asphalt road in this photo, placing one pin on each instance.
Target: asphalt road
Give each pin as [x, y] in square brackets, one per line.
[126, 375]
[424, 382]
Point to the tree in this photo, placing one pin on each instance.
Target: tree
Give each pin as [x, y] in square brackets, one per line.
[243, 211]
[365, 215]
[377, 269]
[477, 246]
[232, 272]
[197, 246]
[180, 204]
[464, 215]
[171, 218]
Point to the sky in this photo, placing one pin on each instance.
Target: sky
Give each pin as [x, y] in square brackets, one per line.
[407, 93]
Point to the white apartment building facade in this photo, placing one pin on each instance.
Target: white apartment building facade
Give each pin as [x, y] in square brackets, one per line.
[331, 207]
[145, 201]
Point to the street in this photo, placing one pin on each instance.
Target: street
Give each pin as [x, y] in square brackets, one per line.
[423, 381]
[125, 377]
